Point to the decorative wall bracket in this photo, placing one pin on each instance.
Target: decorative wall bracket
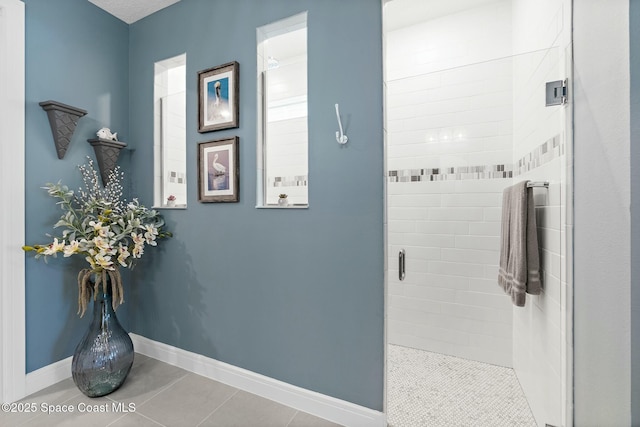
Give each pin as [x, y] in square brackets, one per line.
[63, 120]
[107, 153]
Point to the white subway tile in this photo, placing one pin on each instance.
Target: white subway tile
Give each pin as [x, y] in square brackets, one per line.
[421, 253]
[487, 286]
[455, 269]
[416, 304]
[414, 200]
[473, 256]
[487, 300]
[484, 228]
[442, 227]
[407, 213]
[472, 200]
[455, 214]
[488, 243]
[445, 281]
[401, 226]
[492, 214]
[430, 293]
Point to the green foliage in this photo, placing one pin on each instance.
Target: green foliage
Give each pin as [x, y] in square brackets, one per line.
[100, 225]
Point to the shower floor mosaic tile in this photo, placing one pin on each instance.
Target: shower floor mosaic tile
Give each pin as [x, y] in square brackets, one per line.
[433, 390]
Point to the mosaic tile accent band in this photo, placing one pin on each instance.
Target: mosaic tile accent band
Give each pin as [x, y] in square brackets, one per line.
[176, 177]
[288, 181]
[454, 173]
[542, 154]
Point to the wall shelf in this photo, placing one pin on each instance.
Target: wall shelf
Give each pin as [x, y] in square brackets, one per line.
[63, 120]
[107, 153]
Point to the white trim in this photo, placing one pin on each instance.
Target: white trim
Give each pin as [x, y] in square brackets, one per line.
[48, 375]
[320, 405]
[12, 221]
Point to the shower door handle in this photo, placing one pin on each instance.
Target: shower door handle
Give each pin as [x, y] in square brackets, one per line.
[401, 264]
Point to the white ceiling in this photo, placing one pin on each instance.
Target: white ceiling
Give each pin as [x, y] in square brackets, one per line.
[397, 13]
[403, 13]
[130, 11]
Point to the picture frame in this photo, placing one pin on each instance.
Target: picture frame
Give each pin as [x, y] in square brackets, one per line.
[219, 170]
[218, 97]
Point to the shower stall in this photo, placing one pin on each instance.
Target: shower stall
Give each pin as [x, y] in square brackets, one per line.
[476, 101]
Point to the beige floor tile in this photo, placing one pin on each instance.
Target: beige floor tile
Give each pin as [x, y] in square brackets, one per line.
[146, 380]
[247, 410]
[135, 420]
[31, 406]
[302, 419]
[86, 412]
[187, 402]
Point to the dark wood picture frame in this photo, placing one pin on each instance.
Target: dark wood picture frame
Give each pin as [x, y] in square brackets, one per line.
[218, 97]
[219, 170]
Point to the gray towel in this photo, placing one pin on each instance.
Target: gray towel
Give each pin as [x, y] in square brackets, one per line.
[519, 259]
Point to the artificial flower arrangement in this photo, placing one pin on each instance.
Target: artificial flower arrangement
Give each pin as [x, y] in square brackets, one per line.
[100, 225]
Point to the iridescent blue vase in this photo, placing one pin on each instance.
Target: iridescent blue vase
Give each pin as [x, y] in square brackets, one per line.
[104, 356]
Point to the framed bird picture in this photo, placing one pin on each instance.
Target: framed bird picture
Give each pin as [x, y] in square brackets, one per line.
[218, 170]
[218, 91]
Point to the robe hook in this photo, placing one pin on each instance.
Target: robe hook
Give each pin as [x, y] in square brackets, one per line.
[340, 136]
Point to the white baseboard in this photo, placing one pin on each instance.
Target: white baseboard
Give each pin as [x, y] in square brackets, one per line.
[320, 405]
[48, 375]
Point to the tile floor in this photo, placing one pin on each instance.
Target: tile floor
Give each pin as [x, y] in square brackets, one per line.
[429, 389]
[158, 394]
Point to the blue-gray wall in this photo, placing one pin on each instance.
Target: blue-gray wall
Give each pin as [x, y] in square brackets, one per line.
[76, 54]
[634, 59]
[296, 295]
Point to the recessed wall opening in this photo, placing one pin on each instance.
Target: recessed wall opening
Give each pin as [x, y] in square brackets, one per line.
[169, 147]
[282, 114]
[466, 119]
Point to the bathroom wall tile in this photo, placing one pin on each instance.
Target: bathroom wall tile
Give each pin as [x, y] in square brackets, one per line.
[455, 269]
[455, 214]
[489, 243]
[478, 298]
[486, 285]
[414, 200]
[477, 312]
[430, 293]
[470, 256]
[401, 226]
[442, 227]
[492, 214]
[414, 304]
[484, 228]
[472, 200]
[407, 213]
[421, 253]
[445, 281]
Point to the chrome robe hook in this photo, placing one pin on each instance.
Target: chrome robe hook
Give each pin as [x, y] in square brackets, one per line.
[340, 136]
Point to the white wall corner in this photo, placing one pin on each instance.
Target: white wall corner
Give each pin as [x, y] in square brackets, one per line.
[320, 405]
[48, 375]
[12, 221]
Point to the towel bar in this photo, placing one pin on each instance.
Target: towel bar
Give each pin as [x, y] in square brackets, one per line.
[544, 184]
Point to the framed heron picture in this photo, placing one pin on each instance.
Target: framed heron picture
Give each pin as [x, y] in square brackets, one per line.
[218, 90]
[218, 170]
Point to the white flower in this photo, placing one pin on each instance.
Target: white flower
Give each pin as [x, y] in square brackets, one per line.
[138, 239]
[72, 248]
[138, 250]
[150, 235]
[104, 261]
[123, 255]
[103, 245]
[55, 247]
